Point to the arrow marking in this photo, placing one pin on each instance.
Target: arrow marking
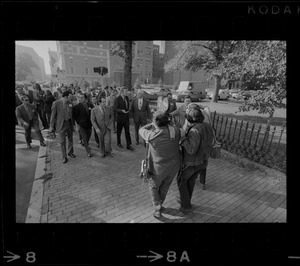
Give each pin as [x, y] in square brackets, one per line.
[155, 257]
[14, 257]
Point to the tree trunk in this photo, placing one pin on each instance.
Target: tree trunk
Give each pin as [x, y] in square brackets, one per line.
[128, 64]
[217, 88]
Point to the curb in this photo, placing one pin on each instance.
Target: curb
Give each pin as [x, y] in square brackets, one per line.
[36, 199]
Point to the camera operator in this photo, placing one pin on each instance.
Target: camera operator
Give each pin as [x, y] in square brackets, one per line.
[164, 157]
[196, 147]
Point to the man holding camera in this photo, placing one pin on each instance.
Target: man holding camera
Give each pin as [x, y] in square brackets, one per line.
[164, 157]
[196, 147]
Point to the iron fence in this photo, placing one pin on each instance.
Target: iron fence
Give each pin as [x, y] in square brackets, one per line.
[253, 141]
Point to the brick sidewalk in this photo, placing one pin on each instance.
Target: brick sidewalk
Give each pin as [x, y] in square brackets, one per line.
[97, 190]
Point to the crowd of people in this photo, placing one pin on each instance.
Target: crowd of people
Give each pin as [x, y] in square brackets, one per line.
[176, 150]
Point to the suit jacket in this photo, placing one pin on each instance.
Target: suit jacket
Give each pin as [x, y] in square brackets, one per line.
[100, 120]
[119, 106]
[140, 115]
[57, 114]
[48, 103]
[39, 99]
[82, 116]
[22, 114]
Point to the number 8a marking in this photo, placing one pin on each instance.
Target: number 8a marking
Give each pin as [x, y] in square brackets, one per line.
[30, 257]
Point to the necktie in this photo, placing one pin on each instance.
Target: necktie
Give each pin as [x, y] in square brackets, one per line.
[125, 103]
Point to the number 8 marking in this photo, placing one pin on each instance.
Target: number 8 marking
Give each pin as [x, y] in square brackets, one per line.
[30, 257]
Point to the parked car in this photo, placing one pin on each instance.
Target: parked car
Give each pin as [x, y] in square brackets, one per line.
[223, 95]
[195, 96]
[149, 96]
[234, 93]
[161, 92]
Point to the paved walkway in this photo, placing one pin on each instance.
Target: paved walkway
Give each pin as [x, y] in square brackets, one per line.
[97, 190]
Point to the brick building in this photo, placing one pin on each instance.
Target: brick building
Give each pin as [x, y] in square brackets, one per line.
[77, 60]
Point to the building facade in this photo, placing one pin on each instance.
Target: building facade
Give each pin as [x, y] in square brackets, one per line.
[77, 59]
[38, 72]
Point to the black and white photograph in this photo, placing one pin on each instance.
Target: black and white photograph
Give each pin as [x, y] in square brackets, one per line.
[150, 131]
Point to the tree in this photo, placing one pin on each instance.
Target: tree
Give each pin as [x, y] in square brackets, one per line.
[24, 65]
[124, 49]
[207, 55]
[260, 65]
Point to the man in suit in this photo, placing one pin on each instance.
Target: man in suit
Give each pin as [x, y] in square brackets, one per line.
[95, 103]
[110, 101]
[62, 119]
[140, 111]
[39, 100]
[29, 93]
[181, 112]
[82, 114]
[121, 108]
[28, 118]
[101, 121]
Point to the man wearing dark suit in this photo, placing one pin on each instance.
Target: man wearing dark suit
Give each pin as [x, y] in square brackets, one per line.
[82, 114]
[18, 95]
[28, 118]
[140, 111]
[62, 119]
[95, 103]
[121, 108]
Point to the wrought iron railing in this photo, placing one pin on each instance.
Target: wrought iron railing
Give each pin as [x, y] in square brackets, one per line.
[258, 143]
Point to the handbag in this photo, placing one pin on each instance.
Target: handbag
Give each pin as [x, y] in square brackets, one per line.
[215, 152]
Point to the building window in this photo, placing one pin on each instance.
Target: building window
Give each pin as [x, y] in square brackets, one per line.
[72, 70]
[86, 71]
[86, 61]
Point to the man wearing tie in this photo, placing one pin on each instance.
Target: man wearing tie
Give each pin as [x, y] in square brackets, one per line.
[61, 116]
[101, 121]
[121, 108]
[28, 118]
[81, 114]
[140, 112]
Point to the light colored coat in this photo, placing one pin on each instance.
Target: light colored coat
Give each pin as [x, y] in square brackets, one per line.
[99, 120]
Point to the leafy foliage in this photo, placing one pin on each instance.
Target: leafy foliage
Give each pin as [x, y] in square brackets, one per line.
[124, 49]
[206, 55]
[258, 65]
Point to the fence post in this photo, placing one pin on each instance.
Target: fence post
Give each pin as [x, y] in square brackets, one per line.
[246, 131]
[213, 122]
[274, 130]
[224, 133]
[258, 132]
[221, 128]
[252, 129]
[240, 132]
[230, 124]
[282, 129]
[236, 121]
